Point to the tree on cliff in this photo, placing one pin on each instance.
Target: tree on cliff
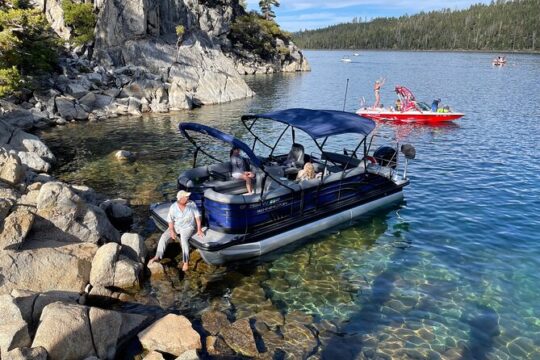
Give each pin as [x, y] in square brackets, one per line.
[266, 8]
[28, 46]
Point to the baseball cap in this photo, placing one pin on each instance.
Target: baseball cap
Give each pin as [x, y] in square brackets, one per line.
[182, 194]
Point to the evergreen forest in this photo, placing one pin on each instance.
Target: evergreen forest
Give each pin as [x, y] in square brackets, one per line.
[501, 25]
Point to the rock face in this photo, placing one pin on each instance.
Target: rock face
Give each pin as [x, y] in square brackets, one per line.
[51, 266]
[60, 208]
[171, 334]
[69, 331]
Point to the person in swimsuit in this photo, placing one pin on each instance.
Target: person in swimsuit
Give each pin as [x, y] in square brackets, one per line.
[239, 170]
[377, 88]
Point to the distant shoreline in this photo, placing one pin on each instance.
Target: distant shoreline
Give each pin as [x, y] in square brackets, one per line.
[525, 52]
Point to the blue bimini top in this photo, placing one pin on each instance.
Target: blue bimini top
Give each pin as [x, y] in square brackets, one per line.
[319, 123]
[234, 142]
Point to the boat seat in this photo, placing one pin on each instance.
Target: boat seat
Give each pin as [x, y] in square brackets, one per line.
[295, 158]
[341, 159]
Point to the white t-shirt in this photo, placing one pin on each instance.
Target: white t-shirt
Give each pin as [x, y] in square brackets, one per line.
[183, 219]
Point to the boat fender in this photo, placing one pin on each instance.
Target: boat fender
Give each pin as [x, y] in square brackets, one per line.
[371, 159]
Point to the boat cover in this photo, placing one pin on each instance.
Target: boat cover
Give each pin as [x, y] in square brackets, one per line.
[319, 123]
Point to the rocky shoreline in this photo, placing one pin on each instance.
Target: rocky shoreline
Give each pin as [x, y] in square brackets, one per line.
[64, 266]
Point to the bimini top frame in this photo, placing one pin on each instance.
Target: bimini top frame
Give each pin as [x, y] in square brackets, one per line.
[229, 139]
[318, 124]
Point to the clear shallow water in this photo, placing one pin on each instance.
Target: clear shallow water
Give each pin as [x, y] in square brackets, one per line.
[452, 272]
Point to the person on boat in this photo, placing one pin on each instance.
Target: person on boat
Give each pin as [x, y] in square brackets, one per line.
[398, 104]
[183, 216]
[377, 88]
[435, 105]
[307, 173]
[239, 170]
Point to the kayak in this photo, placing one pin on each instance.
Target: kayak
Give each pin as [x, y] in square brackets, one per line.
[408, 116]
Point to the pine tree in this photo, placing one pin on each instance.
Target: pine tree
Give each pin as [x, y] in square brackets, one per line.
[266, 8]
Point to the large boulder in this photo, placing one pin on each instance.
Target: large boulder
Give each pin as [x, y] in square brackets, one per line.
[127, 273]
[171, 334]
[45, 265]
[133, 246]
[68, 109]
[64, 210]
[64, 331]
[103, 265]
[11, 169]
[13, 329]
[16, 227]
[34, 162]
[23, 141]
[70, 331]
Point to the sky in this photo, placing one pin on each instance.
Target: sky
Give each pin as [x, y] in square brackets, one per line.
[295, 15]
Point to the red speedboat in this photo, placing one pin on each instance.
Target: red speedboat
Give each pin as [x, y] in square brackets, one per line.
[410, 110]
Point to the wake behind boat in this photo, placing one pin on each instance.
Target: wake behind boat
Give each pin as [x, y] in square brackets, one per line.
[407, 109]
[283, 209]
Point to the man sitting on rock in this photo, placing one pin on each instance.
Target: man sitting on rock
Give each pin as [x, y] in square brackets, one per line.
[183, 215]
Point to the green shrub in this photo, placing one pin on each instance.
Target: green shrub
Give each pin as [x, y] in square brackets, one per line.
[257, 34]
[10, 80]
[81, 18]
[180, 30]
[26, 41]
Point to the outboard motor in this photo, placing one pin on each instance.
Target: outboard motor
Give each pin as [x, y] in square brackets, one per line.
[410, 153]
[386, 156]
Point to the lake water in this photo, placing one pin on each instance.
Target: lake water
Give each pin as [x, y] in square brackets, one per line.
[452, 272]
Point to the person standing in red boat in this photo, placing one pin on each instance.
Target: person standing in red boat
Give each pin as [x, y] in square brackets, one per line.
[378, 85]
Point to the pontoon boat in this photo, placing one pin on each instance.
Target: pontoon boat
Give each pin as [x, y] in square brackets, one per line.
[283, 210]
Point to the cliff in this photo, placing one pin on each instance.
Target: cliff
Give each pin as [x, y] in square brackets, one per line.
[137, 39]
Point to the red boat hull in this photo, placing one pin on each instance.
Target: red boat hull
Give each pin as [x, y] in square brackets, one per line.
[409, 116]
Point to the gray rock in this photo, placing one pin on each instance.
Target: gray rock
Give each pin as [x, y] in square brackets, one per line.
[11, 169]
[126, 273]
[77, 220]
[103, 265]
[77, 89]
[64, 331]
[16, 227]
[43, 265]
[13, 329]
[124, 155]
[105, 330]
[172, 334]
[34, 162]
[69, 110]
[93, 101]
[24, 141]
[25, 353]
[133, 246]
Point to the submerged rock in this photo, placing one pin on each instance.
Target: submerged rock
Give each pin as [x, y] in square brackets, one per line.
[214, 321]
[239, 337]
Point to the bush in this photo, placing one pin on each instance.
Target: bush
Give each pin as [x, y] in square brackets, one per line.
[180, 30]
[81, 18]
[10, 80]
[26, 41]
[258, 35]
